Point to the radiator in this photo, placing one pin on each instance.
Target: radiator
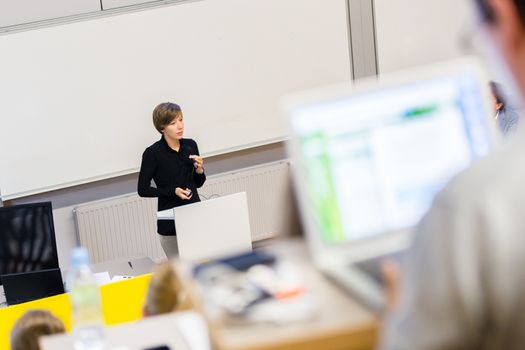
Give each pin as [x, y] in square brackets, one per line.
[267, 189]
[125, 226]
[118, 228]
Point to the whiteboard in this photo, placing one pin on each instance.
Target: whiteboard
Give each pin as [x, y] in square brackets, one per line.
[411, 32]
[76, 99]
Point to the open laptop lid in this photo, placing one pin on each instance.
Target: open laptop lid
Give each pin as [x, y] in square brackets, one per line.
[32, 285]
[369, 159]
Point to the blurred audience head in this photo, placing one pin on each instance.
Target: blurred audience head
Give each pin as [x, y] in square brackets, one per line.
[31, 326]
[165, 292]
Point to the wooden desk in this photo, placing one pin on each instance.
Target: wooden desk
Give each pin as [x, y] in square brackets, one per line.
[341, 323]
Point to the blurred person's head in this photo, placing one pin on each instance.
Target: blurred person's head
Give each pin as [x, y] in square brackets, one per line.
[504, 21]
[31, 326]
[165, 293]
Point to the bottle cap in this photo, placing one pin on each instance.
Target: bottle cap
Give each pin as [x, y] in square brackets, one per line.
[79, 256]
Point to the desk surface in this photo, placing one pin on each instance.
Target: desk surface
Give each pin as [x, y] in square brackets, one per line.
[340, 323]
[125, 267]
[178, 331]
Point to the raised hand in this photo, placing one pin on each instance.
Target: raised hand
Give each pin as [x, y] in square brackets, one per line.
[198, 162]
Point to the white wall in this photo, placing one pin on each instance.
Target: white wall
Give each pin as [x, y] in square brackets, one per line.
[409, 32]
[13, 12]
[414, 32]
[90, 86]
[65, 234]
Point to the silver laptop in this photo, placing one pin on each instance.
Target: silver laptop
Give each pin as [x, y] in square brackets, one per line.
[369, 159]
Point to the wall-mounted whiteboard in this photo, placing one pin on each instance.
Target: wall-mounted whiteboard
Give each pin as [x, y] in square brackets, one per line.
[16, 12]
[76, 99]
[412, 32]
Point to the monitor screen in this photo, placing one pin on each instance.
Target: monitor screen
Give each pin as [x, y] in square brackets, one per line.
[374, 160]
[27, 286]
[27, 238]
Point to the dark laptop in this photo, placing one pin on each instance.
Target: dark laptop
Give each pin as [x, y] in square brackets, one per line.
[27, 286]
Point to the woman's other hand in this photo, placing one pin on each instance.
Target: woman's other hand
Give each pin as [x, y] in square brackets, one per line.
[183, 193]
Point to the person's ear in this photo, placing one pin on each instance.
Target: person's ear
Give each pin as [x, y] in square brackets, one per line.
[499, 106]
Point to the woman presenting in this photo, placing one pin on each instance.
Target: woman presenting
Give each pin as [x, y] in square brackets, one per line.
[174, 164]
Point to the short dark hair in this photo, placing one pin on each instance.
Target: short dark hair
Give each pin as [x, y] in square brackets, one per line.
[487, 13]
[164, 114]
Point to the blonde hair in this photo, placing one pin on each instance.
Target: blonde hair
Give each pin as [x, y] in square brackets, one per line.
[31, 326]
[165, 293]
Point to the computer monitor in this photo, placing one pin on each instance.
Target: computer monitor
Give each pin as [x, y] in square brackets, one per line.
[27, 238]
[371, 159]
[27, 286]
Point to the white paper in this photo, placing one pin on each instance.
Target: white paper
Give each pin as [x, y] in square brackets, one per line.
[120, 278]
[165, 214]
[102, 278]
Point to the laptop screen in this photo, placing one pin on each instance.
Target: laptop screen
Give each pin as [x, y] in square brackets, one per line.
[27, 286]
[373, 161]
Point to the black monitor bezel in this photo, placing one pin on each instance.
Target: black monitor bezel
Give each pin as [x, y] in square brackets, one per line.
[47, 206]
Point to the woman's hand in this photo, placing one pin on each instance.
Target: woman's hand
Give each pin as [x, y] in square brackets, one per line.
[198, 162]
[183, 193]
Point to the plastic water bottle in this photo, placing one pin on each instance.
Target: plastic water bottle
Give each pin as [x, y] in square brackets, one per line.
[88, 325]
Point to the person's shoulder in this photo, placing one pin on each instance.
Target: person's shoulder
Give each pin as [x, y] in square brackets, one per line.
[497, 176]
[508, 115]
[512, 112]
[190, 143]
[153, 148]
